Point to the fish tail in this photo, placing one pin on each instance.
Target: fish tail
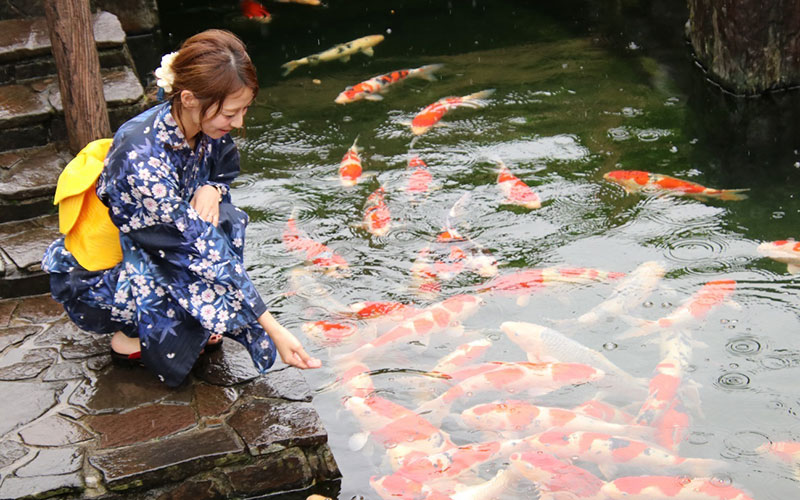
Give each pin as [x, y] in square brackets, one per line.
[290, 66]
[478, 99]
[732, 194]
[427, 72]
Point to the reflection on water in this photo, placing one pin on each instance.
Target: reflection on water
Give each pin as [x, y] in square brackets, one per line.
[569, 106]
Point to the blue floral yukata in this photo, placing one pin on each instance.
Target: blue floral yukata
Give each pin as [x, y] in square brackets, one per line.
[180, 279]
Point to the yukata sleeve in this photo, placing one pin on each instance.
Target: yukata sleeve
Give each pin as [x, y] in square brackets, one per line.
[224, 166]
[195, 261]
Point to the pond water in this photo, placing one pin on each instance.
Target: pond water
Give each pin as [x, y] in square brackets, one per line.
[578, 92]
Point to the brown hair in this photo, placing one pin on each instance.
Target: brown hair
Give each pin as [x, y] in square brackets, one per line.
[212, 65]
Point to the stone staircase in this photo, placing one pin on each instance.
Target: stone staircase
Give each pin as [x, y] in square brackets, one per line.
[33, 138]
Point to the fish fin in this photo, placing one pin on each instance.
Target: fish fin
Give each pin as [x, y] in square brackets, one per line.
[523, 300]
[608, 470]
[479, 96]
[357, 441]
[373, 97]
[733, 194]
[638, 331]
[289, 67]
[427, 72]
[368, 51]
[345, 59]
[793, 268]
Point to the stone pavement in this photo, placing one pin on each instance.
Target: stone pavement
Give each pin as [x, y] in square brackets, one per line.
[73, 425]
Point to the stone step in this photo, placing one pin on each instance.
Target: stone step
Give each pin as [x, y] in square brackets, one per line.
[25, 50]
[28, 181]
[22, 244]
[31, 114]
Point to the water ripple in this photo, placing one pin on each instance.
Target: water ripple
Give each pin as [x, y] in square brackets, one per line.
[733, 381]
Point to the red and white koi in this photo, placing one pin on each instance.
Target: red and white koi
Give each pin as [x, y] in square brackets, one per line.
[630, 292]
[381, 309]
[525, 282]
[357, 381]
[609, 452]
[462, 355]
[254, 11]
[605, 412]
[350, 168]
[515, 190]
[319, 254]
[554, 475]
[436, 318]
[372, 89]
[420, 178]
[431, 114]
[671, 488]
[522, 417]
[377, 218]
[784, 251]
[635, 181]
[329, 333]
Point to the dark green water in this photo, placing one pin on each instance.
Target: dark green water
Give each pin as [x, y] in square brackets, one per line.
[580, 90]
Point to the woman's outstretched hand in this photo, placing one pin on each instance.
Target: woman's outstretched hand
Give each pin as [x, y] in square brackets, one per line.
[291, 350]
[206, 203]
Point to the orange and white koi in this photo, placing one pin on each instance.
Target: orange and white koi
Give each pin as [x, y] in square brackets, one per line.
[420, 179]
[319, 254]
[671, 488]
[515, 190]
[406, 435]
[420, 327]
[693, 309]
[783, 251]
[302, 2]
[530, 280]
[342, 51]
[462, 355]
[377, 218]
[380, 309]
[631, 291]
[350, 168]
[635, 181]
[554, 475]
[431, 114]
[328, 333]
[521, 417]
[510, 378]
[254, 11]
[357, 381]
[609, 452]
[605, 412]
[372, 89]
[788, 451]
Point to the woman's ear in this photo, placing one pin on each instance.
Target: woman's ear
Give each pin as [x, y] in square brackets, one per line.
[188, 99]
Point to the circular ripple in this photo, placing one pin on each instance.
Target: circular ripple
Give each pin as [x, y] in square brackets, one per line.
[775, 363]
[691, 250]
[745, 443]
[733, 381]
[744, 346]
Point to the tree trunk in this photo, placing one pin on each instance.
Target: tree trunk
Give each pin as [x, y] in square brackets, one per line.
[748, 46]
[70, 25]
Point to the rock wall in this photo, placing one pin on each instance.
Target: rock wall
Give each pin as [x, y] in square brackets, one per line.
[136, 16]
[747, 46]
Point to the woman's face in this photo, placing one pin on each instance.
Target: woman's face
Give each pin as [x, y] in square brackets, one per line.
[218, 122]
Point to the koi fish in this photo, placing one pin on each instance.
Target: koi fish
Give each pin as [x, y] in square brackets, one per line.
[604, 411]
[631, 291]
[378, 309]
[531, 280]
[784, 251]
[462, 355]
[788, 451]
[516, 191]
[544, 344]
[342, 51]
[534, 378]
[609, 452]
[552, 474]
[377, 219]
[635, 181]
[319, 254]
[421, 326]
[520, 417]
[327, 333]
[303, 2]
[431, 114]
[671, 488]
[357, 381]
[350, 168]
[372, 89]
[420, 178]
[255, 11]
[693, 309]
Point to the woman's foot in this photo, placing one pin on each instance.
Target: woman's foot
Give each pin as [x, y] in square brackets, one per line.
[122, 344]
[214, 343]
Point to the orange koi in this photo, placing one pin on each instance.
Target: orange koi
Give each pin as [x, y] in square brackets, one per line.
[529, 280]
[421, 326]
[255, 11]
[516, 191]
[377, 309]
[519, 417]
[784, 251]
[788, 451]
[671, 488]
[604, 411]
[431, 114]
[318, 254]
[327, 333]
[635, 181]
[609, 452]
[377, 219]
[372, 89]
[302, 2]
[552, 474]
[462, 355]
[350, 168]
[420, 178]
[357, 381]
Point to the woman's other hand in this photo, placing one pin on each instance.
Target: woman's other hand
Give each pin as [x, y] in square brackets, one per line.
[206, 203]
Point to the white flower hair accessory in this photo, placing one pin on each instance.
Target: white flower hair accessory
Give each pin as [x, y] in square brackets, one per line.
[164, 73]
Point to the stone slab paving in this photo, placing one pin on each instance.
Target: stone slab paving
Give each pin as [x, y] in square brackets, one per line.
[73, 425]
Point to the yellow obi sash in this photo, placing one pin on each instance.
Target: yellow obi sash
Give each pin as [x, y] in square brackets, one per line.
[91, 237]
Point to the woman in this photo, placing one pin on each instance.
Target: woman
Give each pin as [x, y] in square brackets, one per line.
[181, 283]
